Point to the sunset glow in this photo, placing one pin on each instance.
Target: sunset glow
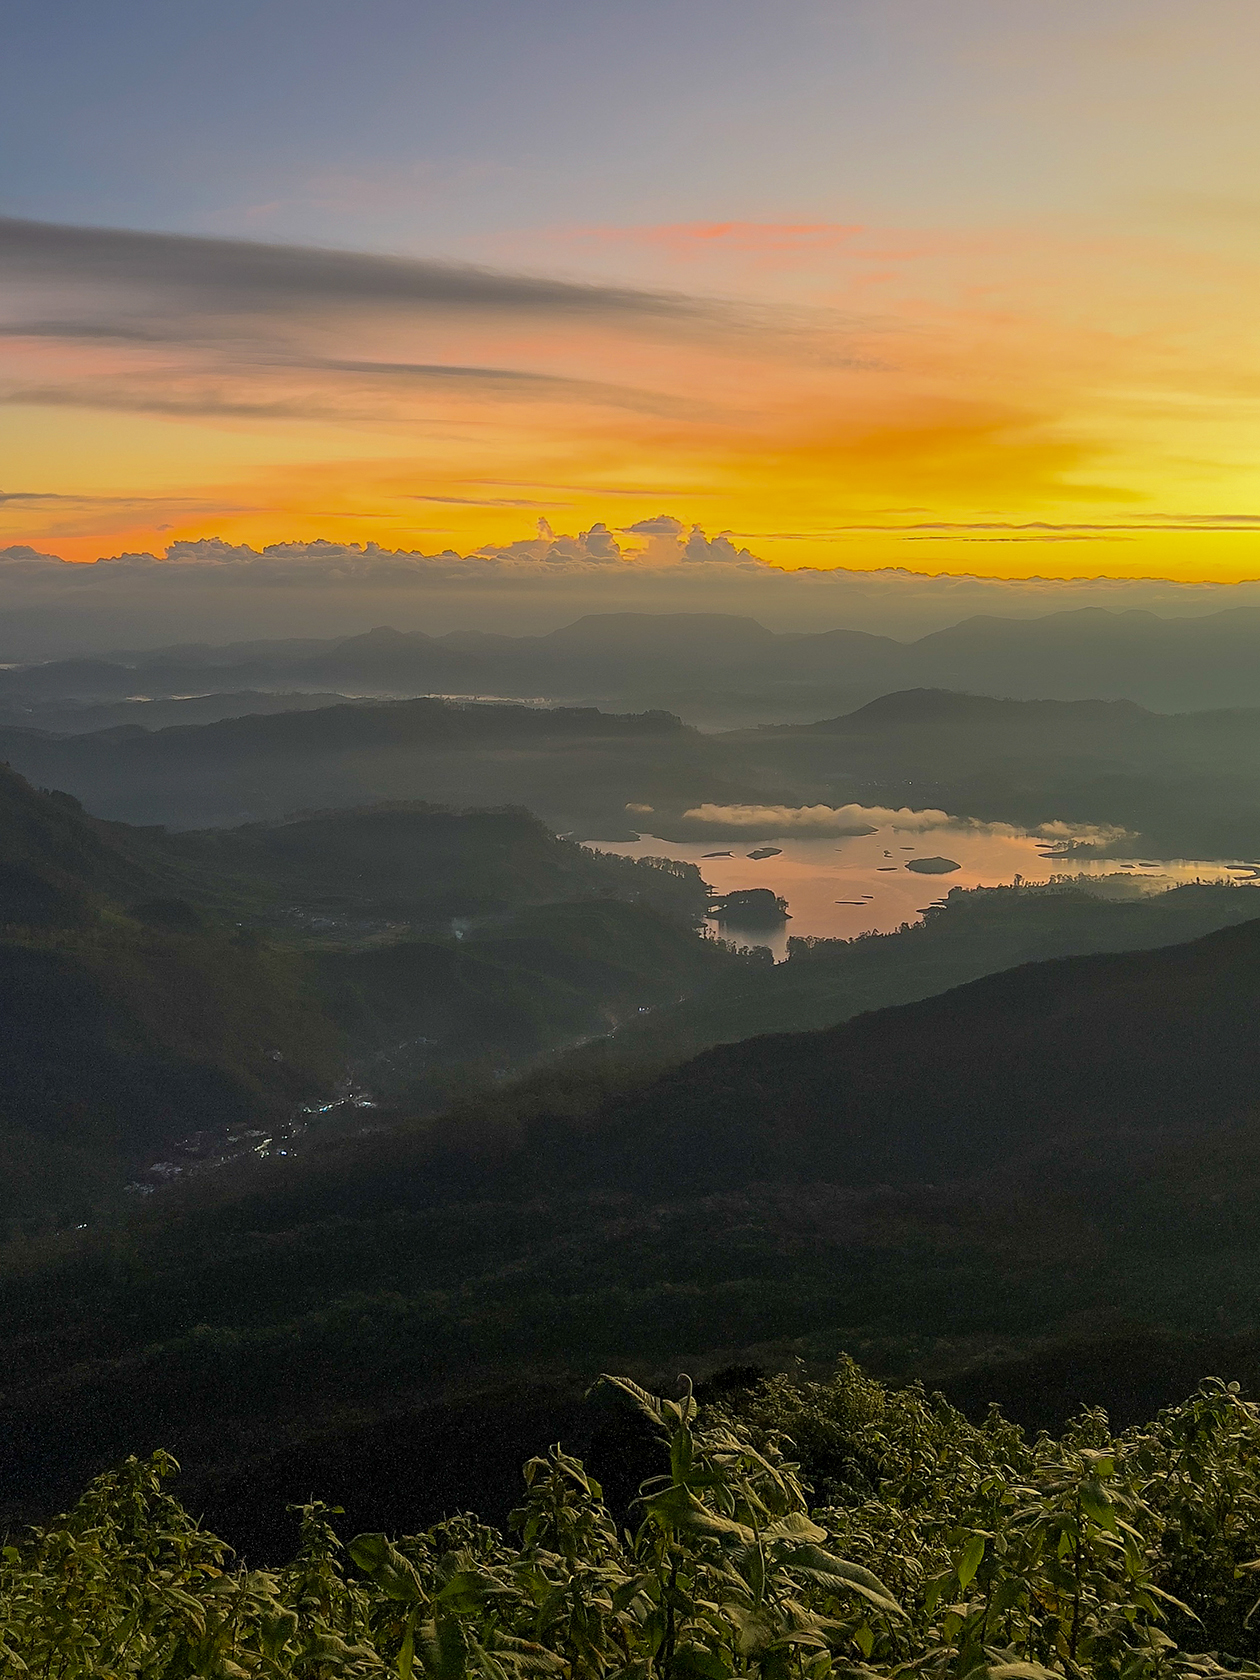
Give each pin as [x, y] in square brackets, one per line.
[830, 332]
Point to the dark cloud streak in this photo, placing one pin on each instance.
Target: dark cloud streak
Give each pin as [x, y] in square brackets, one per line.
[240, 274]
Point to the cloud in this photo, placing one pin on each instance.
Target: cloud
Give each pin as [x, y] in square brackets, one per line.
[662, 525]
[230, 329]
[598, 546]
[853, 820]
[817, 819]
[20, 497]
[481, 501]
[666, 546]
[323, 388]
[698, 547]
[220, 590]
[23, 551]
[260, 278]
[1084, 836]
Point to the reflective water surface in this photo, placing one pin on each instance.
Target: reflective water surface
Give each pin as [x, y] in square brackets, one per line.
[837, 888]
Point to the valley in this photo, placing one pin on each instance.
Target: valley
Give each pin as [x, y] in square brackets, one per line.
[413, 1065]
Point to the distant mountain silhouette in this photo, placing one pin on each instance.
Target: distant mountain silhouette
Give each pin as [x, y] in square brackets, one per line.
[1188, 783]
[563, 760]
[698, 660]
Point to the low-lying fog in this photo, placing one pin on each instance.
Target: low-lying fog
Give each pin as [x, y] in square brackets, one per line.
[837, 888]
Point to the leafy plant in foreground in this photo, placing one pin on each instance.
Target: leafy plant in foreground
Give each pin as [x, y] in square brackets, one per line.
[950, 1550]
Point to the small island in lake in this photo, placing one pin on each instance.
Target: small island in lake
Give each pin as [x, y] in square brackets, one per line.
[751, 907]
[933, 866]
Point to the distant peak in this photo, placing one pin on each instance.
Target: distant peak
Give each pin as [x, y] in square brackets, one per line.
[926, 704]
[385, 633]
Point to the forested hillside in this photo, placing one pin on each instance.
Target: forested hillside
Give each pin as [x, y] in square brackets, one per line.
[128, 1018]
[1102, 1061]
[157, 988]
[950, 1183]
[575, 766]
[969, 934]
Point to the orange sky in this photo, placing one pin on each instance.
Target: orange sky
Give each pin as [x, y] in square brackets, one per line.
[1024, 343]
[1001, 404]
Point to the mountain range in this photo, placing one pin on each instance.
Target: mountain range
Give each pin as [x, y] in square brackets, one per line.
[358, 1109]
[715, 669]
[1182, 785]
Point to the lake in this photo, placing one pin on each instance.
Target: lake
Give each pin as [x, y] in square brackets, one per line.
[837, 888]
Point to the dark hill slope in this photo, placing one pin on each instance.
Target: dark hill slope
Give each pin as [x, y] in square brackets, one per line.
[971, 934]
[55, 861]
[1088, 1063]
[1041, 1148]
[1188, 784]
[127, 1019]
[571, 765]
[421, 862]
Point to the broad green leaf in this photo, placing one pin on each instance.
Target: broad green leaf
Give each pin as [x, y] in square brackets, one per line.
[841, 1576]
[678, 1508]
[389, 1569]
[1097, 1505]
[795, 1526]
[648, 1404]
[971, 1559]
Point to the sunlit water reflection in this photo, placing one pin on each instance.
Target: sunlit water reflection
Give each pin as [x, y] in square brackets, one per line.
[837, 888]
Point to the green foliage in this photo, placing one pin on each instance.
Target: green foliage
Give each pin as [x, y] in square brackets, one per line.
[429, 1018]
[974, 932]
[119, 1039]
[423, 864]
[209, 980]
[957, 1551]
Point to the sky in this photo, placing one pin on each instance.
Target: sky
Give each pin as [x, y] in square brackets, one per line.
[953, 286]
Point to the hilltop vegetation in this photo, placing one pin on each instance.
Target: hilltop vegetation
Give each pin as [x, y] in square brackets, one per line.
[932, 1547]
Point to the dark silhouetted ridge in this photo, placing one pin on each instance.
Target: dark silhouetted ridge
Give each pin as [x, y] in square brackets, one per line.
[1080, 1065]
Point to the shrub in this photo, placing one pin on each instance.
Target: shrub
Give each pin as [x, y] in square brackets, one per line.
[950, 1550]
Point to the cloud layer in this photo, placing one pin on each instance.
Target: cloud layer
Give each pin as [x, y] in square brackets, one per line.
[855, 820]
[218, 590]
[1002, 400]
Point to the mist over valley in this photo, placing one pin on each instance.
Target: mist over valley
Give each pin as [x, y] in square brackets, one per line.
[463, 1014]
